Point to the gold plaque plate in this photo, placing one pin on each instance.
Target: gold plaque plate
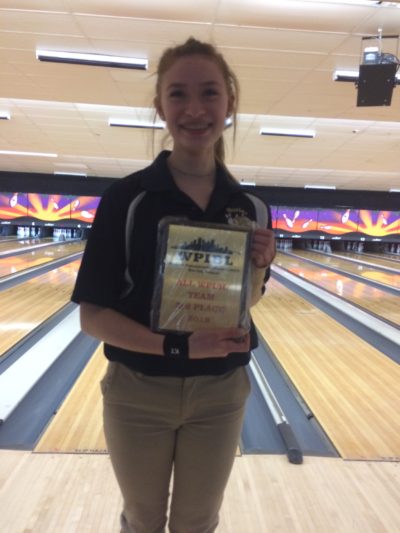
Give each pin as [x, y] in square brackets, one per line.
[202, 276]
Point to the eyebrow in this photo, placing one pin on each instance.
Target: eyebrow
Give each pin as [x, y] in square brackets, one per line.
[178, 85]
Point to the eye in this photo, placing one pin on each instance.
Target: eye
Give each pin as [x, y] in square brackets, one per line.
[210, 92]
[176, 93]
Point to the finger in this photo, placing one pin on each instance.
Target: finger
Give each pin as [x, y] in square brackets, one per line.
[218, 342]
[263, 232]
[263, 248]
[232, 333]
[239, 344]
[263, 259]
[263, 240]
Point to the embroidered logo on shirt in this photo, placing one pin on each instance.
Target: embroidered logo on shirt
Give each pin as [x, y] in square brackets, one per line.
[236, 216]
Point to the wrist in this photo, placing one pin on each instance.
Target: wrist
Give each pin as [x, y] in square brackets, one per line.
[176, 345]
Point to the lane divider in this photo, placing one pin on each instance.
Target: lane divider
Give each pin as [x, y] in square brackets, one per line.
[293, 450]
[363, 317]
[21, 376]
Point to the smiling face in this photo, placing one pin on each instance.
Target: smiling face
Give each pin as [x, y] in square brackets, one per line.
[193, 100]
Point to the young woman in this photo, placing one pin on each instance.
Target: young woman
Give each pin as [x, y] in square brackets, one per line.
[172, 423]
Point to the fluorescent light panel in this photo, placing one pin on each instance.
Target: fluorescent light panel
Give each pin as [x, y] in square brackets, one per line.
[320, 186]
[394, 190]
[68, 173]
[345, 75]
[5, 115]
[283, 132]
[352, 76]
[247, 183]
[368, 3]
[130, 123]
[389, 4]
[31, 154]
[92, 59]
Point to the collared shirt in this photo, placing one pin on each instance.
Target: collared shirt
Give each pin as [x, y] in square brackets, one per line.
[118, 266]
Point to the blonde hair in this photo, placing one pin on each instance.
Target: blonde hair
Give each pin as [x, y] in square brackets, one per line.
[194, 47]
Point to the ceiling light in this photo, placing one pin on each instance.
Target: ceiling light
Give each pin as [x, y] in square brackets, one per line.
[345, 75]
[68, 173]
[352, 76]
[129, 123]
[33, 154]
[389, 4]
[247, 183]
[5, 115]
[91, 59]
[394, 190]
[320, 186]
[287, 132]
[368, 3]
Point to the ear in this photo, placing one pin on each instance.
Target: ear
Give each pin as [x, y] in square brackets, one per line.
[158, 108]
[231, 106]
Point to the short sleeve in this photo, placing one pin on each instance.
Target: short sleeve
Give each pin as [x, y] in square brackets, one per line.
[100, 277]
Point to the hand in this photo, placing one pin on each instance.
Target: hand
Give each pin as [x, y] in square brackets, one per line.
[207, 343]
[263, 247]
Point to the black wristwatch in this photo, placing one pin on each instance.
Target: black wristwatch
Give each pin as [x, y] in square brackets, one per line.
[176, 345]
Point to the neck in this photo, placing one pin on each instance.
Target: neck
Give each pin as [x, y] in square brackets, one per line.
[197, 167]
[199, 174]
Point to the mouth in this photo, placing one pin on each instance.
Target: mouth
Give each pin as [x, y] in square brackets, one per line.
[196, 129]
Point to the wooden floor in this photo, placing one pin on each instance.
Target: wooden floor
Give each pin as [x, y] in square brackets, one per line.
[71, 493]
[27, 305]
[17, 263]
[7, 245]
[78, 426]
[351, 387]
[372, 299]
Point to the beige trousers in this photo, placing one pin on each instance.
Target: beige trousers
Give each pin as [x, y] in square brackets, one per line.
[178, 433]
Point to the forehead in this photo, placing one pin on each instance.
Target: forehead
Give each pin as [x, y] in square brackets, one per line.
[193, 69]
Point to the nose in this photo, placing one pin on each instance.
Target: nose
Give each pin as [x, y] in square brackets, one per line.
[194, 107]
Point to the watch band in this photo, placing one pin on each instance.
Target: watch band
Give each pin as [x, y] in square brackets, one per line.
[176, 345]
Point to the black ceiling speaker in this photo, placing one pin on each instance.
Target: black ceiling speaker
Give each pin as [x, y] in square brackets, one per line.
[375, 84]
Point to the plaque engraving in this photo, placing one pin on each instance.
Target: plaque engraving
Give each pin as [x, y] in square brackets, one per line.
[202, 276]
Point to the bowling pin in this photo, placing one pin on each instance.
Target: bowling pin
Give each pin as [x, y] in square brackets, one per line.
[14, 200]
[345, 216]
[87, 214]
[289, 222]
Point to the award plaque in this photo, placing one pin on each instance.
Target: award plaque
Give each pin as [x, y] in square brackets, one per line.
[201, 276]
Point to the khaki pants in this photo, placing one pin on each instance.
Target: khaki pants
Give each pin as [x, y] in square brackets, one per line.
[162, 427]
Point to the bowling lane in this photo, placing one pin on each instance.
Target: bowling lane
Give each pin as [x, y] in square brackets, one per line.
[78, 425]
[27, 305]
[352, 389]
[379, 259]
[392, 279]
[17, 246]
[12, 264]
[372, 299]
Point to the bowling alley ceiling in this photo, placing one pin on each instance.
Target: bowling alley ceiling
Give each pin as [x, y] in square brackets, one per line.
[284, 52]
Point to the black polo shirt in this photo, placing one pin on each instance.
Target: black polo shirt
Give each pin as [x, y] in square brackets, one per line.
[118, 266]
